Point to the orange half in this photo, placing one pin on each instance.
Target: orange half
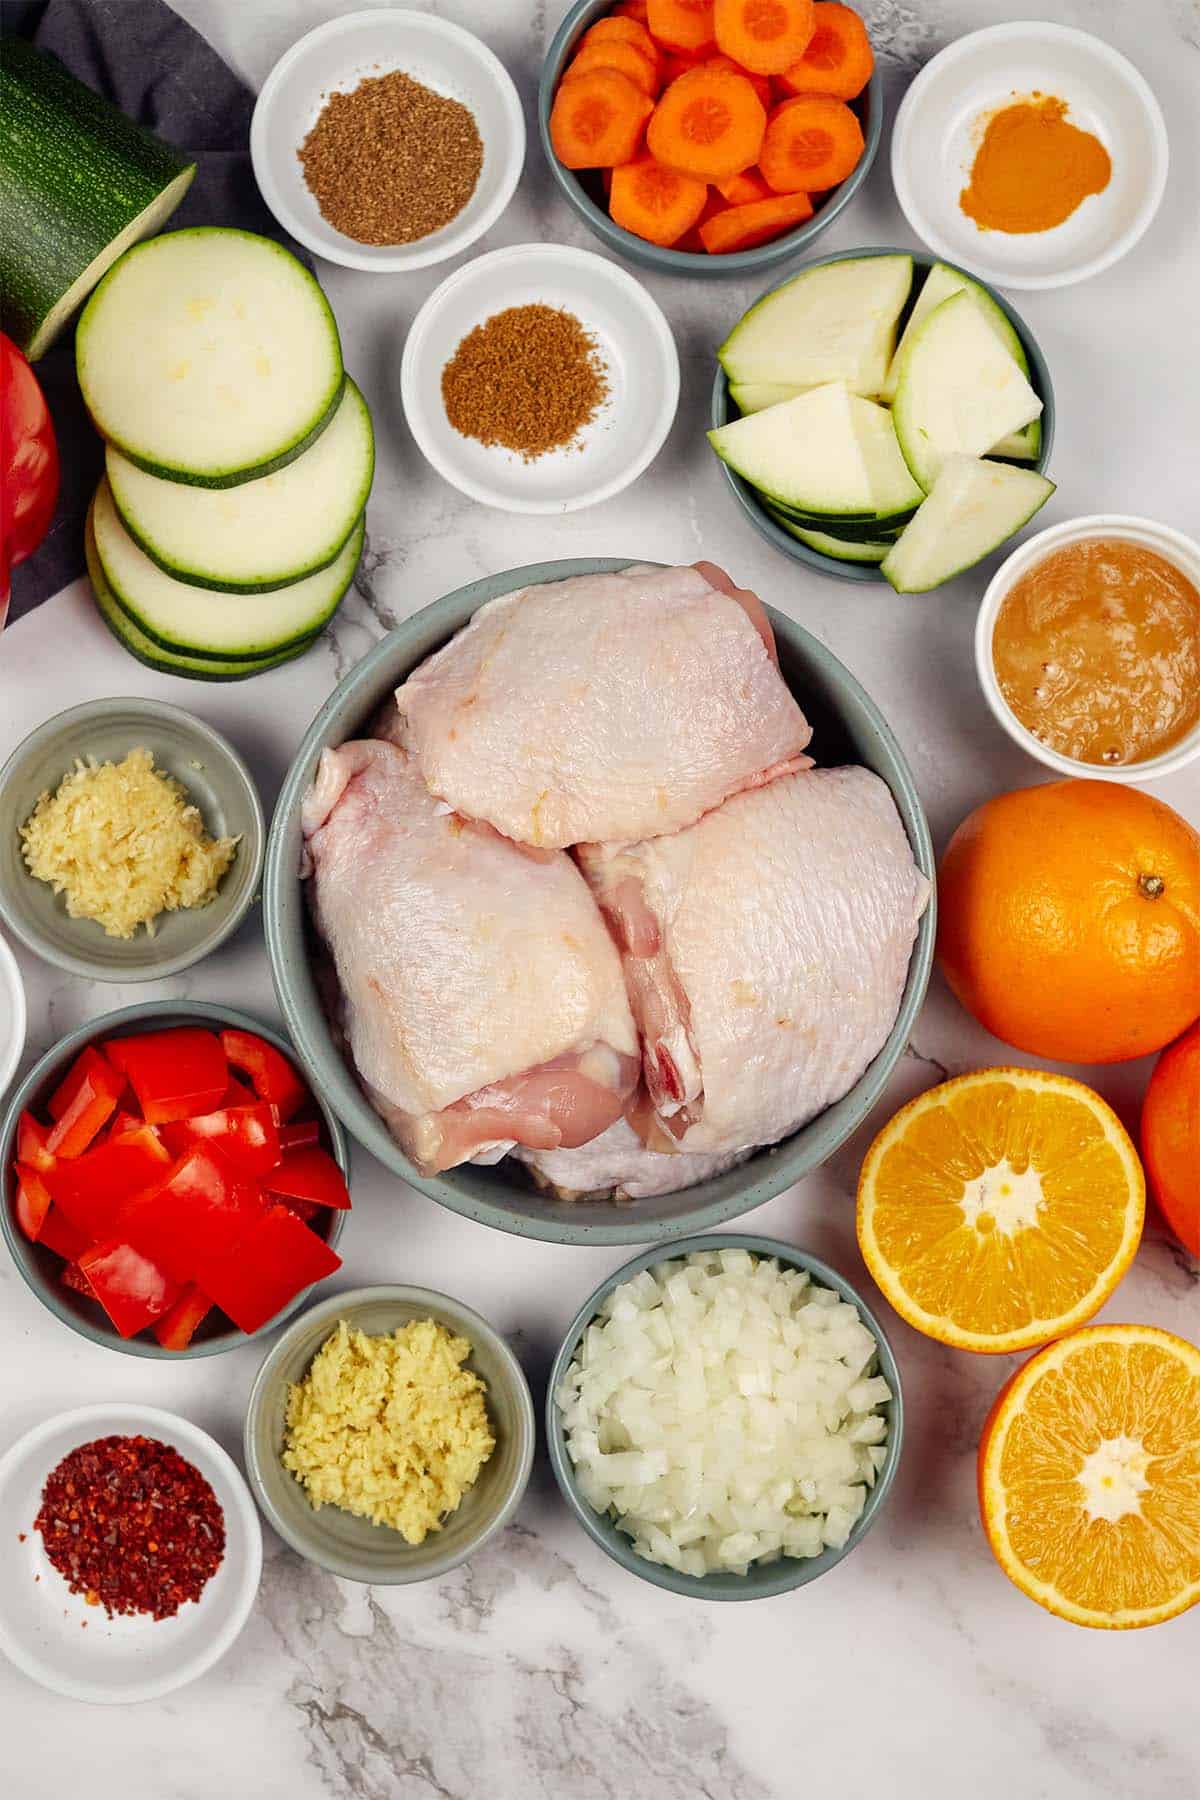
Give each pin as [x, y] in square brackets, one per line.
[1089, 1477]
[1001, 1209]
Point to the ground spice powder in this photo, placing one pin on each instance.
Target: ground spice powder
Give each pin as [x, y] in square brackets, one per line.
[132, 1526]
[1033, 168]
[392, 161]
[529, 378]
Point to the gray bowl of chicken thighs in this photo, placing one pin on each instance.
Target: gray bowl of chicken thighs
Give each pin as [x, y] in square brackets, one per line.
[615, 922]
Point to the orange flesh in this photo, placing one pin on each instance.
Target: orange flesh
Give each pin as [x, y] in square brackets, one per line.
[1097, 652]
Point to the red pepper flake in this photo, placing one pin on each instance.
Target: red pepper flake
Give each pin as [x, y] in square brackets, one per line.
[132, 1526]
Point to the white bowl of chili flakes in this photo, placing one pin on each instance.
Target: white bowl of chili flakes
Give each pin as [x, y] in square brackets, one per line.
[388, 140]
[161, 1467]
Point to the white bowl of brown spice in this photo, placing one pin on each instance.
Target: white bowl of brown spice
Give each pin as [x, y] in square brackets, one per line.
[388, 140]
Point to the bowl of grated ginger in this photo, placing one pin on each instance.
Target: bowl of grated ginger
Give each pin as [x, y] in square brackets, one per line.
[131, 840]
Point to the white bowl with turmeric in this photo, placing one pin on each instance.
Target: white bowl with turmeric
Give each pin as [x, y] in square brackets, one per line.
[131, 840]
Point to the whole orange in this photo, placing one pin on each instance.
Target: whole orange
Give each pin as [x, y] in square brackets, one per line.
[1070, 920]
[1171, 1137]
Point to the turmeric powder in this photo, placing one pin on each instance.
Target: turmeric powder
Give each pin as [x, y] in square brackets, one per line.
[1033, 168]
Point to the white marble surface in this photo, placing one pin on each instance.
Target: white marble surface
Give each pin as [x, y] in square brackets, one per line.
[915, 1670]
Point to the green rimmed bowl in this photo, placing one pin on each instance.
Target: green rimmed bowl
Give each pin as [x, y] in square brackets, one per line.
[723, 410]
[341, 1541]
[763, 1580]
[585, 196]
[847, 727]
[41, 1269]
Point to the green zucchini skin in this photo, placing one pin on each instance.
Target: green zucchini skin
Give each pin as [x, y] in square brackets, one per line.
[75, 176]
[271, 467]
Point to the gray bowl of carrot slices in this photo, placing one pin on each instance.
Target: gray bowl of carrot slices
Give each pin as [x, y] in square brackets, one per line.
[171, 1184]
[710, 137]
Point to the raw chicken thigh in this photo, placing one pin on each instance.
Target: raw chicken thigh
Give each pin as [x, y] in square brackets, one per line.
[617, 1163]
[481, 995]
[614, 707]
[766, 950]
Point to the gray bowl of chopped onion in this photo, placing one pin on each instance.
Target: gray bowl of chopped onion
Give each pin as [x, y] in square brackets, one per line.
[733, 1476]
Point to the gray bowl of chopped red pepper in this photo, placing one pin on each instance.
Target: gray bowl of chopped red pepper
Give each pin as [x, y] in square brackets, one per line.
[112, 1212]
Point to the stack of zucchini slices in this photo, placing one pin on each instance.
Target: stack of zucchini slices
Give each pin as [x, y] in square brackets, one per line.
[238, 454]
[905, 454]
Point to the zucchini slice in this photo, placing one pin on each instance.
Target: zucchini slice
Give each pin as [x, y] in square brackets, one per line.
[973, 508]
[943, 281]
[171, 662]
[194, 622]
[209, 356]
[79, 185]
[839, 548]
[828, 452]
[836, 322]
[262, 534]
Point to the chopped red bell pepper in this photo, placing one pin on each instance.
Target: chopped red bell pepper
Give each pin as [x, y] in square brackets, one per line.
[175, 1073]
[93, 1190]
[303, 1209]
[272, 1074]
[239, 1093]
[309, 1174]
[28, 464]
[74, 1278]
[88, 1062]
[126, 1121]
[277, 1260]
[92, 1102]
[59, 1235]
[177, 1327]
[197, 1216]
[247, 1135]
[131, 1288]
[299, 1134]
[33, 1201]
[31, 1143]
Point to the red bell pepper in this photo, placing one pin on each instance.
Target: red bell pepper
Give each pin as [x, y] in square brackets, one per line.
[91, 1103]
[131, 1288]
[175, 1073]
[299, 1134]
[277, 1259]
[239, 1093]
[93, 1190]
[246, 1135]
[31, 1143]
[33, 1202]
[309, 1174]
[88, 1062]
[303, 1209]
[272, 1074]
[74, 1278]
[59, 1235]
[177, 1327]
[199, 1214]
[28, 465]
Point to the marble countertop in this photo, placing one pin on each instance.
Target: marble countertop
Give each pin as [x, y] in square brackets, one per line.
[915, 1670]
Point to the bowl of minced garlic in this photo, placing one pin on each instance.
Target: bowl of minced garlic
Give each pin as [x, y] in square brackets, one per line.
[131, 840]
[390, 1434]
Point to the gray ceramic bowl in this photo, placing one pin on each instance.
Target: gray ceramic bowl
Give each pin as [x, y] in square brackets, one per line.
[762, 1580]
[216, 779]
[847, 727]
[585, 195]
[723, 410]
[340, 1541]
[41, 1269]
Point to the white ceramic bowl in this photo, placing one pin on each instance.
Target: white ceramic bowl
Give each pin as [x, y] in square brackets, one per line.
[634, 341]
[1183, 551]
[12, 1016]
[120, 1659]
[934, 141]
[335, 58]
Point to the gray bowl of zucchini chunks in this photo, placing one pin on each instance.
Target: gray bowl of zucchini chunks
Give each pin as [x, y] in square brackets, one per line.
[882, 416]
[238, 454]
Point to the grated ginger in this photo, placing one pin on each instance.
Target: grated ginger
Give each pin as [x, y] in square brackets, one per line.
[124, 844]
[391, 1428]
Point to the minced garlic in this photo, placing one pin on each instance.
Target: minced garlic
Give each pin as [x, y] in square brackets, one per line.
[124, 844]
[391, 1428]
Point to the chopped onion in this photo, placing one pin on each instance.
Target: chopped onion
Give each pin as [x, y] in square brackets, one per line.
[725, 1411]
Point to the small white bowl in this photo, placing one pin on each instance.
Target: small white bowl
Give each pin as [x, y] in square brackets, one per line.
[334, 59]
[75, 1649]
[1182, 551]
[935, 138]
[632, 337]
[13, 1019]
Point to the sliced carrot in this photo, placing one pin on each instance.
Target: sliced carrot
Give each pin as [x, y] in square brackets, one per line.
[597, 120]
[767, 36]
[709, 123]
[677, 62]
[740, 190]
[629, 31]
[631, 9]
[759, 83]
[741, 227]
[691, 240]
[839, 59]
[811, 143]
[655, 203]
[615, 55]
[681, 24]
